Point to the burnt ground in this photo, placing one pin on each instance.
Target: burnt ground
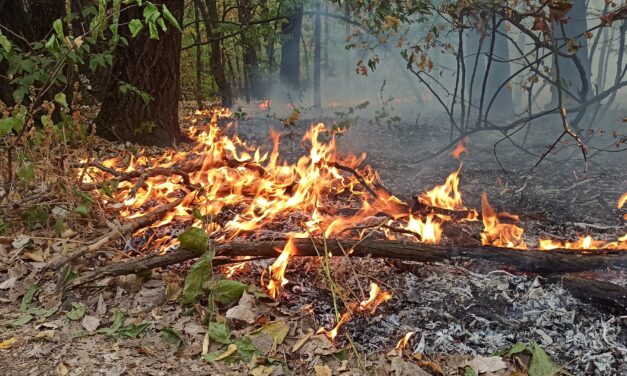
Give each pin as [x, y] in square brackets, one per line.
[462, 312]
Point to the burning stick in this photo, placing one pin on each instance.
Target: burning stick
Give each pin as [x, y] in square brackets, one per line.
[130, 227]
[276, 271]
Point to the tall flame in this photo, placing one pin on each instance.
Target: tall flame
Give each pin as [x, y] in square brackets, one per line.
[276, 271]
[446, 196]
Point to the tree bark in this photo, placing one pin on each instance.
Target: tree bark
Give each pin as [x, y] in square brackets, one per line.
[291, 32]
[317, 56]
[209, 12]
[153, 67]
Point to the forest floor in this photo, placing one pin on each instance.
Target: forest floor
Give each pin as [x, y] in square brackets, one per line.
[468, 317]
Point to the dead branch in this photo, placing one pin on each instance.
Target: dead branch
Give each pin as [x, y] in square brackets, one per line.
[105, 239]
[533, 261]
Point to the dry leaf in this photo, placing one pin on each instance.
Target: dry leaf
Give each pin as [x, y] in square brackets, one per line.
[323, 370]
[90, 323]
[483, 364]
[245, 311]
[230, 350]
[301, 341]
[8, 343]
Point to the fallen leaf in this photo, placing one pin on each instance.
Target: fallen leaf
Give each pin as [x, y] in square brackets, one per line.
[244, 311]
[9, 283]
[90, 323]
[36, 255]
[77, 312]
[301, 341]
[229, 351]
[323, 370]
[20, 242]
[262, 370]
[8, 343]
[277, 330]
[61, 369]
[46, 334]
[486, 364]
[541, 364]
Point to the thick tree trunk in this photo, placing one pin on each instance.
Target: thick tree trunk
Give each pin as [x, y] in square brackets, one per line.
[153, 67]
[290, 48]
[253, 84]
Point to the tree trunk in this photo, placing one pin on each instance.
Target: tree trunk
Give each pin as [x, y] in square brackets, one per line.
[503, 104]
[252, 79]
[153, 67]
[317, 56]
[199, 98]
[290, 48]
[209, 13]
[566, 33]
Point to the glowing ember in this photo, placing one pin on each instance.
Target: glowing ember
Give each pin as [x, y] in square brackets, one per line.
[230, 270]
[459, 150]
[496, 233]
[404, 342]
[276, 271]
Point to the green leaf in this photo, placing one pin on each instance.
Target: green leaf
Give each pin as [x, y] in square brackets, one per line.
[245, 349]
[195, 239]
[24, 319]
[5, 43]
[60, 99]
[132, 330]
[541, 364]
[6, 126]
[44, 313]
[83, 210]
[26, 172]
[59, 226]
[199, 273]
[57, 25]
[161, 24]
[469, 371]
[171, 337]
[227, 291]
[152, 28]
[118, 321]
[28, 297]
[277, 330]
[170, 17]
[517, 349]
[135, 26]
[77, 312]
[219, 332]
[151, 13]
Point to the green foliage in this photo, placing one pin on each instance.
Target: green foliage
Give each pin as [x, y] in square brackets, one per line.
[227, 291]
[171, 337]
[199, 273]
[194, 239]
[77, 312]
[219, 332]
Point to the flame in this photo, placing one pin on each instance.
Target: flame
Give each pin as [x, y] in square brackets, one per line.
[496, 233]
[404, 342]
[459, 150]
[375, 298]
[446, 196]
[430, 230]
[276, 271]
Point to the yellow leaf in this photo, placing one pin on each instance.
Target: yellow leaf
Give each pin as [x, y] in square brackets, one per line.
[230, 350]
[7, 343]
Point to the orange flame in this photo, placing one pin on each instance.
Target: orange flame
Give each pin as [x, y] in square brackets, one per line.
[265, 105]
[276, 271]
[375, 298]
[404, 342]
[496, 233]
[445, 196]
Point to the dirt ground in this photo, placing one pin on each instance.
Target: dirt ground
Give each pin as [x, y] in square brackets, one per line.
[463, 314]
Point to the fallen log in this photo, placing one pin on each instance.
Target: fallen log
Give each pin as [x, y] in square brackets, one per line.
[532, 261]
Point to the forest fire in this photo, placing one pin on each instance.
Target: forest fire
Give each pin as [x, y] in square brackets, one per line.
[231, 189]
